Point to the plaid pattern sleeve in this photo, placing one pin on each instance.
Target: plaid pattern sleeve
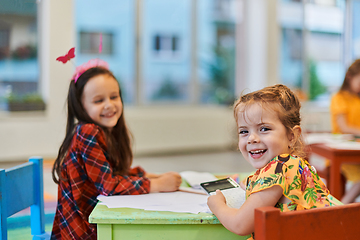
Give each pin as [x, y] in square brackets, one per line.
[89, 174]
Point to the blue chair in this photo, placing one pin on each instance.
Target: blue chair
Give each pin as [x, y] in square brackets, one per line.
[22, 187]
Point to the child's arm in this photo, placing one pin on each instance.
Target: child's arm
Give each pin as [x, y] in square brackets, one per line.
[90, 140]
[241, 221]
[344, 127]
[242, 184]
[99, 170]
[166, 182]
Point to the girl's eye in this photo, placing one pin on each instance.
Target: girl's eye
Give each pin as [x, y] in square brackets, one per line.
[241, 132]
[264, 129]
[114, 97]
[98, 101]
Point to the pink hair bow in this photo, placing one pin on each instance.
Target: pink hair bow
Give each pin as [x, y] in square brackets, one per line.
[90, 64]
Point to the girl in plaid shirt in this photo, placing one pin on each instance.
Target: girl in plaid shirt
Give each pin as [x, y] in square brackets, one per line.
[95, 156]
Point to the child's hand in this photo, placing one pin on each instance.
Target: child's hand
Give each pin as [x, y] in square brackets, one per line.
[166, 182]
[216, 200]
[152, 175]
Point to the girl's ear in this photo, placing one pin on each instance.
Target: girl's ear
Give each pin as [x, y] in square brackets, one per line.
[295, 134]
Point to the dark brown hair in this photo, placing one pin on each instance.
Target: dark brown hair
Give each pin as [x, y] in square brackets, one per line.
[281, 100]
[352, 71]
[118, 140]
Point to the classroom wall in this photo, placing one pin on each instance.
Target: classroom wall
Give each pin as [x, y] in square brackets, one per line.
[182, 129]
[315, 118]
[156, 129]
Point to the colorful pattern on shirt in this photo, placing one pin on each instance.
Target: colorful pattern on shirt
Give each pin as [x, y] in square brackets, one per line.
[299, 182]
[89, 174]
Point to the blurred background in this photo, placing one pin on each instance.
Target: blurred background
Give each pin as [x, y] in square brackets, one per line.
[180, 65]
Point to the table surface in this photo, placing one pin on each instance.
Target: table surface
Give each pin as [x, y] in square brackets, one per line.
[129, 223]
[329, 152]
[337, 157]
[103, 214]
[126, 223]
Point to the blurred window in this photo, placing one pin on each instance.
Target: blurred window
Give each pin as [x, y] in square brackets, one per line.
[115, 20]
[4, 41]
[163, 43]
[312, 49]
[19, 67]
[163, 51]
[216, 50]
[355, 30]
[90, 41]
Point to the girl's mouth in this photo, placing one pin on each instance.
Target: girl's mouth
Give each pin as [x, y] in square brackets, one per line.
[257, 153]
[108, 115]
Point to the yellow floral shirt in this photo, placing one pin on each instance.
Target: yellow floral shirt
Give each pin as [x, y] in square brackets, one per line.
[299, 182]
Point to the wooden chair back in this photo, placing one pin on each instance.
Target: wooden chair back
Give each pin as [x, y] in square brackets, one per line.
[337, 222]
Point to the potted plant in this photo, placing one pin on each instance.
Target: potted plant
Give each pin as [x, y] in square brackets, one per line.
[28, 102]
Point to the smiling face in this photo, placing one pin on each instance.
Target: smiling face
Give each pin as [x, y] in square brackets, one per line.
[101, 100]
[262, 136]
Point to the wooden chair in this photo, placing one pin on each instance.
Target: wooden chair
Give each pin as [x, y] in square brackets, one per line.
[324, 171]
[337, 222]
[22, 187]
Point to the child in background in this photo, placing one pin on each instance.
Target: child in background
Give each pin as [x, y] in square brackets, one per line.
[345, 118]
[95, 156]
[270, 140]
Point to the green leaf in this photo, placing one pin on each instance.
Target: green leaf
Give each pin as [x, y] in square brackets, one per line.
[294, 197]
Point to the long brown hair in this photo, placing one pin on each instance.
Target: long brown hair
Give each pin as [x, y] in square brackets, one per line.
[118, 140]
[281, 100]
[352, 71]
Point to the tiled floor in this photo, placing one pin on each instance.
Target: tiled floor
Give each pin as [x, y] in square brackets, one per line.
[215, 162]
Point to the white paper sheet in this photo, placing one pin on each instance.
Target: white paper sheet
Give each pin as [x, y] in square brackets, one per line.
[345, 145]
[174, 202]
[195, 178]
[311, 138]
[193, 190]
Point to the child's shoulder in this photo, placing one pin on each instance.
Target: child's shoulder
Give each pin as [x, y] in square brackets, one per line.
[285, 158]
[89, 133]
[88, 129]
[345, 95]
[280, 163]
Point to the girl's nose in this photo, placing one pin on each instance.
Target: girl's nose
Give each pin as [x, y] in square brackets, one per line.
[107, 104]
[253, 138]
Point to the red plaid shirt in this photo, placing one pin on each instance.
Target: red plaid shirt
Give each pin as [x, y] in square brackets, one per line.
[89, 174]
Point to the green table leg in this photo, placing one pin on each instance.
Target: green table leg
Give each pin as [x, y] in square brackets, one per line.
[105, 231]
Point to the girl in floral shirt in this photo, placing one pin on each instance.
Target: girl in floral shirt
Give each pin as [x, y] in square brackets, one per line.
[95, 156]
[269, 131]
